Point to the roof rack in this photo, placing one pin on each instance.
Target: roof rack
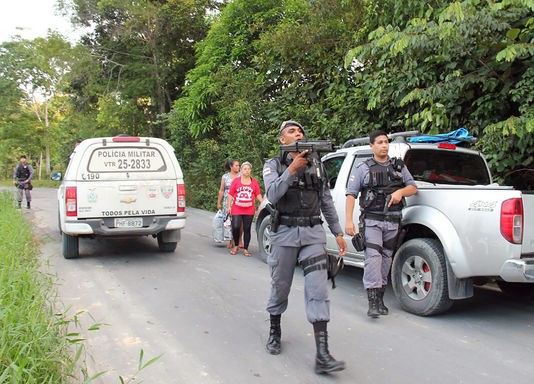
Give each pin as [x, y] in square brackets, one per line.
[397, 136]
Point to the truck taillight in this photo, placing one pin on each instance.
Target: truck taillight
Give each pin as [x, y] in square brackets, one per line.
[181, 197]
[446, 146]
[512, 220]
[71, 201]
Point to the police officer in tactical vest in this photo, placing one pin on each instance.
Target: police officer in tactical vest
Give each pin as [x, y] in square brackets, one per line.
[298, 197]
[22, 179]
[383, 183]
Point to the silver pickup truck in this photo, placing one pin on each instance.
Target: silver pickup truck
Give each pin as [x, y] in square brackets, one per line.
[459, 230]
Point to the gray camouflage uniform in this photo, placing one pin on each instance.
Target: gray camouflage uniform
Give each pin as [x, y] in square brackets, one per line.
[20, 174]
[298, 243]
[376, 263]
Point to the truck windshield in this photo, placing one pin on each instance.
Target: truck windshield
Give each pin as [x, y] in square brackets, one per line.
[447, 167]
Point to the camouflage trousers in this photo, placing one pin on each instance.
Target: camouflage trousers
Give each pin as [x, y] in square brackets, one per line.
[377, 262]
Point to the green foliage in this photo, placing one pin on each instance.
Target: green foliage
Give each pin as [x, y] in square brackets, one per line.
[34, 346]
[37, 68]
[142, 51]
[467, 64]
[217, 84]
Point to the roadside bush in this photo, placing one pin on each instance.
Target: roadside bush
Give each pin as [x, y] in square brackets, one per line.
[34, 345]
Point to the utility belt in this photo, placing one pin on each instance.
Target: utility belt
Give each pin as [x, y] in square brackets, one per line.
[383, 217]
[297, 221]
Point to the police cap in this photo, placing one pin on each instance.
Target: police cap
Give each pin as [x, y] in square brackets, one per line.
[290, 123]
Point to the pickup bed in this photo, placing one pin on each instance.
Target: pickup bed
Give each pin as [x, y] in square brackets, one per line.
[460, 229]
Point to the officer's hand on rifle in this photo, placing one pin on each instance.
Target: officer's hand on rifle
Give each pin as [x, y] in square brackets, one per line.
[299, 161]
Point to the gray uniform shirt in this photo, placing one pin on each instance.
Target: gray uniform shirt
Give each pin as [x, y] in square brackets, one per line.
[359, 177]
[276, 186]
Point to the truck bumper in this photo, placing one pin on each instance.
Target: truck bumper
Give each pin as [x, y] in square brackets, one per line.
[103, 227]
[518, 271]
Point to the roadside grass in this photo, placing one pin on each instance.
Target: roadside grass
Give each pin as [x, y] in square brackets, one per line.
[34, 344]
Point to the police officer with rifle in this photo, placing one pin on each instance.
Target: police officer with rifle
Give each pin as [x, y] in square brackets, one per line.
[297, 188]
[384, 182]
[22, 177]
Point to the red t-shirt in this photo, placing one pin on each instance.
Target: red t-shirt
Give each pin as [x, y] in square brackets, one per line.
[244, 195]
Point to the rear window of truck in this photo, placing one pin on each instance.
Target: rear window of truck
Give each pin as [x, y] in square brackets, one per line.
[126, 159]
[447, 167]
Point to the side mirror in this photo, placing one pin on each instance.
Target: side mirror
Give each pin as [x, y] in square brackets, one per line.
[56, 176]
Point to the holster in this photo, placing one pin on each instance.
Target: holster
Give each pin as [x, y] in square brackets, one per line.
[275, 217]
[358, 240]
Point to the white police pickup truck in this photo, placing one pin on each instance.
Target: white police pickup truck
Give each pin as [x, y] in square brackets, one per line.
[460, 229]
[122, 186]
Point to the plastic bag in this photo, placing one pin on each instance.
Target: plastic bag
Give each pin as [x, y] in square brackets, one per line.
[221, 227]
[228, 228]
[217, 227]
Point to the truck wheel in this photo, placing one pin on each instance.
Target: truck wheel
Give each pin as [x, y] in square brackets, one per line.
[70, 246]
[517, 290]
[264, 238]
[166, 246]
[419, 277]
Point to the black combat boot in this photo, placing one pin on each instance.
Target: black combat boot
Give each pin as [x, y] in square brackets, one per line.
[382, 309]
[20, 203]
[372, 296]
[324, 362]
[275, 334]
[28, 204]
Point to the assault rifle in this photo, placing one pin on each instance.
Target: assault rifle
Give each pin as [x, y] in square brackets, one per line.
[318, 146]
[314, 148]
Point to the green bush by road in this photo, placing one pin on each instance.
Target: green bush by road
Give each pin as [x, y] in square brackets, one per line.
[34, 345]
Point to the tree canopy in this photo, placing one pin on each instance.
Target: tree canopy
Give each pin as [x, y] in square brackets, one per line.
[216, 78]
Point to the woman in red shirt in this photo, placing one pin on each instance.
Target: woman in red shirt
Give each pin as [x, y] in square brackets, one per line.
[241, 196]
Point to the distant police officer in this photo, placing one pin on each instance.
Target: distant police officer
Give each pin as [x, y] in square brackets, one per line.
[22, 179]
[383, 183]
[298, 236]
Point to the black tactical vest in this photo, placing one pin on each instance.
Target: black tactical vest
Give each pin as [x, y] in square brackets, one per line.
[23, 172]
[383, 181]
[303, 197]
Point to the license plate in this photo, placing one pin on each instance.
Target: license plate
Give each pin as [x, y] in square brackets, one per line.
[129, 222]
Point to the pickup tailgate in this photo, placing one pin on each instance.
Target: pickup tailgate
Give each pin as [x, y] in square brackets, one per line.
[528, 223]
[126, 179]
[127, 198]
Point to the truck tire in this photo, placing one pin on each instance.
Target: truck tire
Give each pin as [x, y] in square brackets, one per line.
[516, 290]
[419, 277]
[166, 246]
[264, 238]
[70, 246]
